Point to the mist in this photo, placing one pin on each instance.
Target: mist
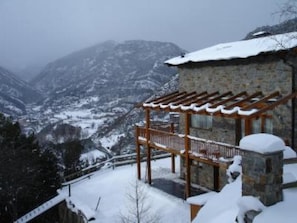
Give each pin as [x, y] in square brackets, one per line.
[36, 32]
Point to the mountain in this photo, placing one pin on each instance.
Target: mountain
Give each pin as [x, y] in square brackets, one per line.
[284, 27]
[97, 88]
[127, 72]
[15, 94]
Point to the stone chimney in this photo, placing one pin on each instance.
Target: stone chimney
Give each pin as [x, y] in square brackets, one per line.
[262, 167]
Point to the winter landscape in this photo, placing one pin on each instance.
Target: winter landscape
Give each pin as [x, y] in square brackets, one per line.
[82, 101]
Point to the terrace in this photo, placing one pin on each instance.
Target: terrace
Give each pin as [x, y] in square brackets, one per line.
[241, 106]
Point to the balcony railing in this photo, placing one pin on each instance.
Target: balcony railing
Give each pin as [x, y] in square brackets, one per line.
[175, 143]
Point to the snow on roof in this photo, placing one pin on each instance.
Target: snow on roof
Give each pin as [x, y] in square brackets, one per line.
[262, 143]
[239, 49]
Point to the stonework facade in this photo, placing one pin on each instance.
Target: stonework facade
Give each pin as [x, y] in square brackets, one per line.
[263, 73]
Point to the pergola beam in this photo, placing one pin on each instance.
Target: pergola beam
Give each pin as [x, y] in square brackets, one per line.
[187, 103]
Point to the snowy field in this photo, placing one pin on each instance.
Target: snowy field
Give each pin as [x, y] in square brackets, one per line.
[113, 188]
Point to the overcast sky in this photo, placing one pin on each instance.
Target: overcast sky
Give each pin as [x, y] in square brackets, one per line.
[39, 31]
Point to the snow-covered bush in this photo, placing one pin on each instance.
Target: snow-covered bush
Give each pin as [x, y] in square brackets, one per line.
[234, 169]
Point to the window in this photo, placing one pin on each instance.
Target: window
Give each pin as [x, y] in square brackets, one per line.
[201, 121]
[263, 124]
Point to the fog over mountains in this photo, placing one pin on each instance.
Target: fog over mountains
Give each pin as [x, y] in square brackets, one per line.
[94, 90]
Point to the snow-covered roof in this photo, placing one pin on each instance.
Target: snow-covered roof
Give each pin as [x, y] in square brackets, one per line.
[239, 49]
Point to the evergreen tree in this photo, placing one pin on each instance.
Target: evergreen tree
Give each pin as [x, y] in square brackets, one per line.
[28, 177]
[71, 152]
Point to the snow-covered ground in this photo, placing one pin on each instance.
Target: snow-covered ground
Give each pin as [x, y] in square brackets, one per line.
[112, 188]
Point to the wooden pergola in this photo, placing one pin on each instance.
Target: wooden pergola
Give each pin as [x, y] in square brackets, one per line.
[240, 106]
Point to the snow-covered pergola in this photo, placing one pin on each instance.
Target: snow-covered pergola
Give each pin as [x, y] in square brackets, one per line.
[239, 106]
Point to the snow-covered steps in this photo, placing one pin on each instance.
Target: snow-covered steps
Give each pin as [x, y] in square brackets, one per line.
[42, 208]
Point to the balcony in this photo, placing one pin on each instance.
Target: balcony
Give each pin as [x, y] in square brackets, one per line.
[202, 150]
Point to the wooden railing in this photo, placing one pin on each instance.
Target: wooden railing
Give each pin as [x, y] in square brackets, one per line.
[176, 143]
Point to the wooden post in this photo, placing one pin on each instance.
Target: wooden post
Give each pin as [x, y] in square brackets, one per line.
[247, 127]
[172, 163]
[138, 159]
[148, 160]
[238, 131]
[187, 158]
[172, 127]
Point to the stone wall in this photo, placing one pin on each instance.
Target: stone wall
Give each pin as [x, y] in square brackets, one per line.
[266, 74]
[202, 174]
[262, 176]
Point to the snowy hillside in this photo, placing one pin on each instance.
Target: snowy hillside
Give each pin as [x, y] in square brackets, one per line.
[15, 93]
[96, 89]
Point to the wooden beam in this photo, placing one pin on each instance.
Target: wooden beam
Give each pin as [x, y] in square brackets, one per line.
[190, 99]
[274, 104]
[238, 131]
[234, 97]
[247, 127]
[172, 163]
[138, 158]
[248, 98]
[168, 98]
[164, 97]
[261, 101]
[148, 160]
[218, 97]
[187, 158]
[204, 99]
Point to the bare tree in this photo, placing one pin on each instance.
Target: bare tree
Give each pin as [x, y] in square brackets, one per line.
[288, 10]
[138, 207]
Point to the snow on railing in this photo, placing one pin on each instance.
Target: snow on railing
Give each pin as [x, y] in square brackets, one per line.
[198, 147]
[41, 209]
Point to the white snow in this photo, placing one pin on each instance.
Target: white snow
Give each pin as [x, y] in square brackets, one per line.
[222, 207]
[229, 204]
[225, 206]
[233, 168]
[112, 187]
[248, 203]
[91, 156]
[284, 211]
[239, 49]
[262, 143]
[41, 209]
[290, 173]
[207, 107]
[109, 141]
[289, 153]
[201, 199]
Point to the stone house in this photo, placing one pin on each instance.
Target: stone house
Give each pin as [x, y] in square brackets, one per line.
[264, 65]
[226, 92]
